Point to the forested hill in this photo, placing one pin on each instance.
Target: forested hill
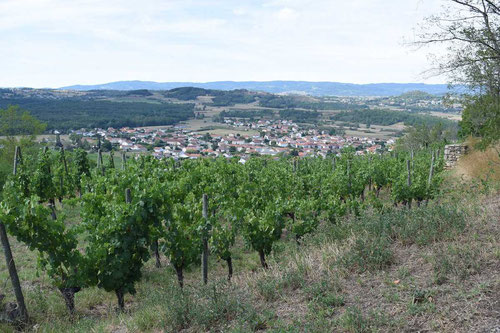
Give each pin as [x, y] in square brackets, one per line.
[310, 88]
[72, 110]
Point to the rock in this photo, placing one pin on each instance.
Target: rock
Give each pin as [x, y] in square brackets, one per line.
[452, 154]
[9, 312]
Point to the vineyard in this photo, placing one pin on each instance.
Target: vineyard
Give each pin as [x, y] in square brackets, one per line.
[188, 210]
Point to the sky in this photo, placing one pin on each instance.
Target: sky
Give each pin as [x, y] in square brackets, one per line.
[54, 43]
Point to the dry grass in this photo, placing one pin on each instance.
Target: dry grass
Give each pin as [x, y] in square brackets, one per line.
[403, 297]
[479, 164]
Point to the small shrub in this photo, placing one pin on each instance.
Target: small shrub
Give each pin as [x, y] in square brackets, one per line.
[292, 279]
[353, 321]
[324, 297]
[421, 225]
[403, 272]
[368, 253]
[459, 261]
[427, 225]
[268, 287]
[199, 308]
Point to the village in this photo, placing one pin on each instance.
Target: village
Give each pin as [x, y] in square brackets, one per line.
[273, 138]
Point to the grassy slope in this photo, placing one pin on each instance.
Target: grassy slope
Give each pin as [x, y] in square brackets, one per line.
[479, 164]
[434, 269]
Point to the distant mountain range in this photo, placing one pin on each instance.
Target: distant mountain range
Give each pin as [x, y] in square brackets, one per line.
[300, 87]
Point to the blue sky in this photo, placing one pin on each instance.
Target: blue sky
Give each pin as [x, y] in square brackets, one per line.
[52, 43]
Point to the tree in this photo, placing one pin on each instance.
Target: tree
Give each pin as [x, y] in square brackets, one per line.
[471, 31]
[422, 136]
[106, 145]
[18, 128]
[481, 118]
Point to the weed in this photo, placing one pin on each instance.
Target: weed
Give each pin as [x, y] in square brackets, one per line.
[403, 272]
[353, 321]
[422, 226]
[368, 253]
[268, 287]
[325, 293]
[292, 279]
[459, 261]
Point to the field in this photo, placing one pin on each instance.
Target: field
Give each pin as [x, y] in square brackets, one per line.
[450, 116]
[428, 268]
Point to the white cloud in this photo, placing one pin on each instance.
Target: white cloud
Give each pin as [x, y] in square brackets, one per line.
[60, 42]
[240, 11]
[287, 14]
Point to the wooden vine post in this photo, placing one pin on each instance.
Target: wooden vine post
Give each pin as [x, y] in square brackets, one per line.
[204, 254]
[408, 181]
[111, 160]
[124, 161]
[431, 173]
[349, 184]
[52, 201]
[100, 164]
[61, 177]
[370, 178]
[119, 292]
[23, 312]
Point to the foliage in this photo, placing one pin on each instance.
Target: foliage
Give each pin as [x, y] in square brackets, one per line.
[257, 200]
[470, 31]
[66, 114]
[15, 121]
[481, 118]
[387, 118]
[18, 128]
[250, 114]
[424, 136]
[291, 102]
[299, 116]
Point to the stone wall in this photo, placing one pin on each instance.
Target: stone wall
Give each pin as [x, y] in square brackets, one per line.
[452, 154]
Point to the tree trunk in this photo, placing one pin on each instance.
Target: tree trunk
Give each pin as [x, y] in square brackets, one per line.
[61, 186]
[204, 253]
[14, 278]
[180, 275]
[124, 161]
[204, 260]
[52, 205]
[229, 268]
[121, 299]
[157, 254]
[69, 297]
[263, 262]
[9, 259]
